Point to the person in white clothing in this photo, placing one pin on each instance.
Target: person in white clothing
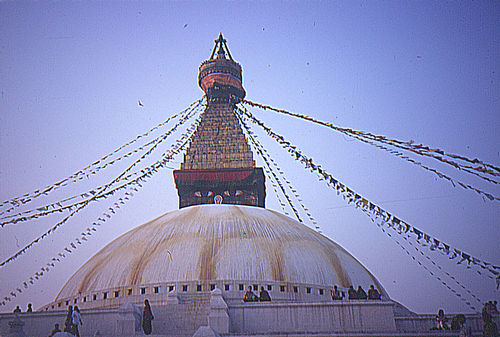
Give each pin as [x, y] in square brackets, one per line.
[77, 320]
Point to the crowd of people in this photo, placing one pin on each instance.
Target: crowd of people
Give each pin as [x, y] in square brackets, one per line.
[356, 294]
[336, 293]
[459, 322]
[74, 320]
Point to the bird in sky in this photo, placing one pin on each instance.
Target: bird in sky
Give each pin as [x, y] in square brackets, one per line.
[140, 103]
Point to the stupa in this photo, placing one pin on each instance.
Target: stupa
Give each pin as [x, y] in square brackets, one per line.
[195, 263]
[222, 236]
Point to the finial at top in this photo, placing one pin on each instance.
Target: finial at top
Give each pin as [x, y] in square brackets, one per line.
[220, 76]
[221, 53]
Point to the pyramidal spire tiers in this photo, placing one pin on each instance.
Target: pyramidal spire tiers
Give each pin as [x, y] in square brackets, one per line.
[219, 165]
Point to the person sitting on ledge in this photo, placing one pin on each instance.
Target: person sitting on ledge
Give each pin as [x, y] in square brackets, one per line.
[30, 308]
[361, 294]
[17, 309]
[55, 330]
[441, 320]
[373, 293]
[264, 295]
[490, 329]
[336, 294]
[249, 295]
[351, 292]
[491, 308]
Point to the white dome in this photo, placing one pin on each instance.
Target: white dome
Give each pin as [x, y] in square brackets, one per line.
[219, 242]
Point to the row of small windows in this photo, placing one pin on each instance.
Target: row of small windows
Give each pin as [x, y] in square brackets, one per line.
[156, 290]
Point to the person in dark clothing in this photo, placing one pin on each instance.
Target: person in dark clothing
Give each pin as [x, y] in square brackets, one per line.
[490, 329]
[336, 294]
[249, 295]
[17, 309]
[68, 323]
[351, 292]
[55, 330]
[373, 293]
[264, 295]
[30, 308]
[147, 317]
[361, 294]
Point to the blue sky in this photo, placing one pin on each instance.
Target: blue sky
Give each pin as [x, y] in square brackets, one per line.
[72, 74]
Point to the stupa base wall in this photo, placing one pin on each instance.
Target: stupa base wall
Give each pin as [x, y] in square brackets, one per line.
[333, 317]
[343, 318]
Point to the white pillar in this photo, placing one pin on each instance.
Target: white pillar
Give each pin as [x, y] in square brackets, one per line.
[218, 319]
[129, 320]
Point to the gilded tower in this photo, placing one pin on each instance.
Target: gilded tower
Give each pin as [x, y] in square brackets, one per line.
[218, 166]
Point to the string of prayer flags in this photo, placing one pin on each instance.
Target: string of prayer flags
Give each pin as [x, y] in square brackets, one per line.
[405, 145]
[268, 165]
[268, 158]
[442, 270]
[439, 174]
[167, 156]
[51, 208]
[91, 168]
[52, 262]
[174, 150]
[433, 274]
[375, 212]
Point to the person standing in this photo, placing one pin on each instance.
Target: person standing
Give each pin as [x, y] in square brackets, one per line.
[77, 320]
[68, 323]
[490, 329]
[147, 317]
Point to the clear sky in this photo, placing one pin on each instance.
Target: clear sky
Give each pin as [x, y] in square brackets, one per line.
[71, 75]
